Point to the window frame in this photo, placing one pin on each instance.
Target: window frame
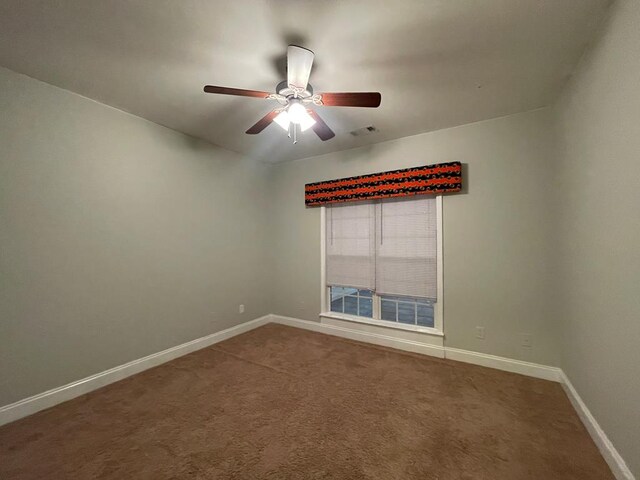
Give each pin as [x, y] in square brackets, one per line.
[438, 310]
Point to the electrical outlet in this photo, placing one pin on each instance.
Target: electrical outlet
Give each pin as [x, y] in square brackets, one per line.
[241, 308]
[526, 340]
[480, 333]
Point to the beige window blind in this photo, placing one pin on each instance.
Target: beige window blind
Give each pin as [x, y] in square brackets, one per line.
[406, 248]
[350, 245]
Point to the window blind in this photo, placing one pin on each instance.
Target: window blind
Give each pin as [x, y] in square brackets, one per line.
[406, 247]
[350, 245]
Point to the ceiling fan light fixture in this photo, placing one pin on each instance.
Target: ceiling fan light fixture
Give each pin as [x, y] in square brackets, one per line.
[298, 114]
[283, 120]
[306, 122]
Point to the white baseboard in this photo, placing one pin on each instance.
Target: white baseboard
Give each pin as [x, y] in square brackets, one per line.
[491, 361]
[368, 337]
[507, 364]
[31, 405]
[615, 461]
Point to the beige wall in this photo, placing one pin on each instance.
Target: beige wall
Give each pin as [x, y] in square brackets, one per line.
[498, 236]
[118, 237]
[599, 140]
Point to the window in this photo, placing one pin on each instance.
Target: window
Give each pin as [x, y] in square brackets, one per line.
[352, 301]
[382, 261]
[407, 310]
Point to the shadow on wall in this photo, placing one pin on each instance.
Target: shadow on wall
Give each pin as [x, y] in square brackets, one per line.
[465, 180]
[196, 144]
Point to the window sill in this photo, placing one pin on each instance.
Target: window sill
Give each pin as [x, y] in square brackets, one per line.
[383, 323]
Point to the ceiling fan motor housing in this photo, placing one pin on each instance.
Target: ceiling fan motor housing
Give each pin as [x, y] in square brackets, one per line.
[283, 89]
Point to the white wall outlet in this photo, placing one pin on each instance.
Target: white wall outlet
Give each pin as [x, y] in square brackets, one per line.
[526, 340]
[480, 333]
[241, 308]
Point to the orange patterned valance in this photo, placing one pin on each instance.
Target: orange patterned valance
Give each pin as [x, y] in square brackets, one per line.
[429, 179]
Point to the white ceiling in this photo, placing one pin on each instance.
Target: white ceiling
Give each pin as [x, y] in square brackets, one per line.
[437, 63]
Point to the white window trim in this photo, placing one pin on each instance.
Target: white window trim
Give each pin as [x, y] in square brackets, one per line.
[438, 311]
[383, 323]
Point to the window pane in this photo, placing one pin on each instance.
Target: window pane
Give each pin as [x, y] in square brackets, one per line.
[337, 292]
[336, 305]
[388, 310]
[408, 307]
[425, 315]
[407, 313]
[351, 305]
[352, 301]
[365, 307]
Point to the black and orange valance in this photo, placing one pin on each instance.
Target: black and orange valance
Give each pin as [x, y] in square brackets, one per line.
[429, 179]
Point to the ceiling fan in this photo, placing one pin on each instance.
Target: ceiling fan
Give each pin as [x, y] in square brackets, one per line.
[295, 96]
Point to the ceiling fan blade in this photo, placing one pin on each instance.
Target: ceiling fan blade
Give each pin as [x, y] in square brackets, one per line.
[321, 128]
[263, 123]
[299, 63]
[352, 99]
[235, 91]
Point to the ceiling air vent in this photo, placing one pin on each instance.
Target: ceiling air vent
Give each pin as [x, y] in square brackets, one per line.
[364, 131]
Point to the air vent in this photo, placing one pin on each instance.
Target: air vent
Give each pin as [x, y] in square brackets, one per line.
[364, 131]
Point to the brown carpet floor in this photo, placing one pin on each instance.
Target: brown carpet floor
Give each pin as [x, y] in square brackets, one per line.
[283, 403]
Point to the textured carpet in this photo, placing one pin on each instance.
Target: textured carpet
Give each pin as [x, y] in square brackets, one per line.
[283, 403]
